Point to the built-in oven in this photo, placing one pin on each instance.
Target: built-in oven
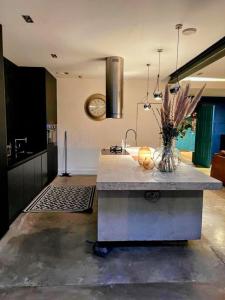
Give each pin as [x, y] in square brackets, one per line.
[52, 134]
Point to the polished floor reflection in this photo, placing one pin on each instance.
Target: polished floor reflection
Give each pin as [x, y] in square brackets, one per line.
[47, 256]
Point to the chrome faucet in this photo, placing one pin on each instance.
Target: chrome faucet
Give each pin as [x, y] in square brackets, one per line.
[135, 135]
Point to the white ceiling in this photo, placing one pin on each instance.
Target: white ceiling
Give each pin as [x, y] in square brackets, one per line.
[83, 32]
[216, 69]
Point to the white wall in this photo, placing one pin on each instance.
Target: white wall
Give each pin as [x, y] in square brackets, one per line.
[85, 136]
[213, 89]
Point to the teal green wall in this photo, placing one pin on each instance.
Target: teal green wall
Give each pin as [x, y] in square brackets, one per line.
[187, 142]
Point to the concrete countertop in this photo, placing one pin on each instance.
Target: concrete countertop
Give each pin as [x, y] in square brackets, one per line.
[122, 172]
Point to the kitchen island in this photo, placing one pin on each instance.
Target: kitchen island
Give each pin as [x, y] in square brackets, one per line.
[135, 204]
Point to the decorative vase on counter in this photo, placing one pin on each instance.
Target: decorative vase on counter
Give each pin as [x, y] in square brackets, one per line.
[173, 112]
[144, 158]
[167, 157]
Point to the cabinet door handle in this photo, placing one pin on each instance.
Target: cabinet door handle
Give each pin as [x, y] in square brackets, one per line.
[152, 196]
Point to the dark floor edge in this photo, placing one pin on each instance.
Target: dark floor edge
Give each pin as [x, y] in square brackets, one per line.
[86, 286]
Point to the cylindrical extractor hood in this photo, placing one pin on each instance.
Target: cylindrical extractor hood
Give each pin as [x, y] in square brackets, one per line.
[114, 87]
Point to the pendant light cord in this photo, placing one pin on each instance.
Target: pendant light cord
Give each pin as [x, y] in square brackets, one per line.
[159, 69]
[148, 65]
[158, 76]
[148, 81]
[178, 27]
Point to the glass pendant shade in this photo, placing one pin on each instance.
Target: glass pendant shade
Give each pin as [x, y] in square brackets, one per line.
[147, 106]
[157, 96]
[174, 89]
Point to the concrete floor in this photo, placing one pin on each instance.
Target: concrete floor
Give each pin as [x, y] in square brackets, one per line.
[186, 157]
[46, 256]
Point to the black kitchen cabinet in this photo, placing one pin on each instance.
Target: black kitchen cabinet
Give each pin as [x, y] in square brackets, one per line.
[52, 161]
[28, 109]
[13, 108]
[31, 94]
[42, 89]
[29, 181]
[37, 174]
[4, 213]
[38, 89]
[51, 113]
[33, 102]
[25, 182]
[15, 192]
[44, 163]
[51, 98]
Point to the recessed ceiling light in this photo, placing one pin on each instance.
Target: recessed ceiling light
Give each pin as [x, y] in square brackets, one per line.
[62, 73]
[203, 79]
[189, 31]
[27, 18]
[53, 55]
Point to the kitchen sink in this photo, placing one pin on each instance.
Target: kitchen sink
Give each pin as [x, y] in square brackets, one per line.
[108, 152]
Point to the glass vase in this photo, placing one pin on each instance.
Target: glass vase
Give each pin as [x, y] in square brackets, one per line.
[167, 158]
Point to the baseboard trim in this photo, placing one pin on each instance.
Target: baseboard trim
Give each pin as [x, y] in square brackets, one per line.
[80, 171]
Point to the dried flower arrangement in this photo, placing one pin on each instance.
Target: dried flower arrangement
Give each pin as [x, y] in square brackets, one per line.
[173, 112]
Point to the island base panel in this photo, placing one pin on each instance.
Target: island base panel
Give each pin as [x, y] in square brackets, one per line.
[141, 216]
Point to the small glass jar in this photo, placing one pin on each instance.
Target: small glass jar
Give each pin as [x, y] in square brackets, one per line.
[145, 159]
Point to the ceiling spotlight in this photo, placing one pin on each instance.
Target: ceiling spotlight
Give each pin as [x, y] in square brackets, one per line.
[189, 31]
[53, 55]
[27, 18]
[62, 73]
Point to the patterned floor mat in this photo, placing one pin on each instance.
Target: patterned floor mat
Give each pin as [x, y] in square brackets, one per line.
[63, 198]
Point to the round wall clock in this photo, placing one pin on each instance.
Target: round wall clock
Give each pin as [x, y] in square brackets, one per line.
[95, 107]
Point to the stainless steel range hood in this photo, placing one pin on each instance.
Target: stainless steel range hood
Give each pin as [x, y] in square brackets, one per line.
[114, 87]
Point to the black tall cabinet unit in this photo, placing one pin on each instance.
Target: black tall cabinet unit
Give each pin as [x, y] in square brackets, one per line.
[39, 101]
[33, 106]
[51, 117]
[28, 110]
[12, 99]
[3, 154]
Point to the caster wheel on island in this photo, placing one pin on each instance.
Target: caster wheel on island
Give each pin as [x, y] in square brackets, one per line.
[101, 251]
[89, 211]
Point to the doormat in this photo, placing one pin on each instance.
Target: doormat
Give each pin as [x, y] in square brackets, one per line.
[63, 199]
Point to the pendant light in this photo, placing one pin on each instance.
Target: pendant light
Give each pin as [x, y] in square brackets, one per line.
[176, 87]
[157, 94]
[147, 105]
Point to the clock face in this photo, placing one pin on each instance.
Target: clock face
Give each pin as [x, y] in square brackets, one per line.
[95, 107]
